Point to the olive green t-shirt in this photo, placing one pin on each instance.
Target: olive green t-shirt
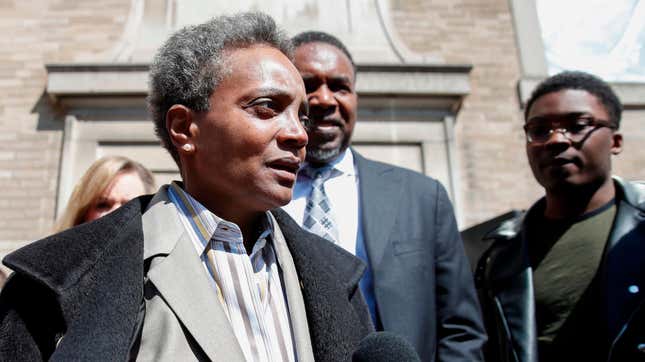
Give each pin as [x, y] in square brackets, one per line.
[565, 256]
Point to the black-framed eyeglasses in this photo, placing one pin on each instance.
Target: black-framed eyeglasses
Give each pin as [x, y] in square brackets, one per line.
[575, 130]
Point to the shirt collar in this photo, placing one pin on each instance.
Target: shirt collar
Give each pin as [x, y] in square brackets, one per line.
[206, 224]
[343, 163]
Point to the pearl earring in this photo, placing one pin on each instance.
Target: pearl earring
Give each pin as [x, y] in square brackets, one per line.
[187, 147]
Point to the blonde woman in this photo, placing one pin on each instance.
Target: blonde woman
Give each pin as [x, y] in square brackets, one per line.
[110, 182]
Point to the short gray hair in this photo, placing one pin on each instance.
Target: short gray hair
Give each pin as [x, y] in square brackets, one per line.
[189, 65]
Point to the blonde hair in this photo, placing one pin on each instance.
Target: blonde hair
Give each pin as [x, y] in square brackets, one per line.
[94, 182]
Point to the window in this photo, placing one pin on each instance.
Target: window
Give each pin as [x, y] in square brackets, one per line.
[597, 36]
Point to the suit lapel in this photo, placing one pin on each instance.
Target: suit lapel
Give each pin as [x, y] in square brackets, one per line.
[379, 190]
[329, 276]
[183, 283]
[297, 311]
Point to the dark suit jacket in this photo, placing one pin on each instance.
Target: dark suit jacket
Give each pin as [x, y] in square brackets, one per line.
[86, 286]
[422, 279]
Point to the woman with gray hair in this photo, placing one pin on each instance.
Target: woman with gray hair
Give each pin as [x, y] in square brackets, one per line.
[209, 268]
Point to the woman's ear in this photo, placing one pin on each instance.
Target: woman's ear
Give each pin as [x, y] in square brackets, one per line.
[179, 123]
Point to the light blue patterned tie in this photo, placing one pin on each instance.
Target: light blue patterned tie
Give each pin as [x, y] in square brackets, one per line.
[319, 217]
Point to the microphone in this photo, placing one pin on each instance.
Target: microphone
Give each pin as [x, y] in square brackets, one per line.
[385, 347]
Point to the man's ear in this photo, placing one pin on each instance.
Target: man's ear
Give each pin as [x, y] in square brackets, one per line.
[616, 143]
[181, 128]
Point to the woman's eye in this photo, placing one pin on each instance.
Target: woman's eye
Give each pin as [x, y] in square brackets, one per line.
[102, 205]
[264, 108]
[265, 103]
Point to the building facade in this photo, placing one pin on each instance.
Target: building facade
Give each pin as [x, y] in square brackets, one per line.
[441, 84]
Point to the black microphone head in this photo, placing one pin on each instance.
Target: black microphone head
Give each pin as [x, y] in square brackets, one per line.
[385, 347]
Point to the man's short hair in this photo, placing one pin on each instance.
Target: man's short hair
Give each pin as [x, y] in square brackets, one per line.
[582, 81]
[189, 66]
[322, 37]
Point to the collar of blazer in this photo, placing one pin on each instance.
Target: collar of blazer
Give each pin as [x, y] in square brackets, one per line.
[329, 278]
[79, 266]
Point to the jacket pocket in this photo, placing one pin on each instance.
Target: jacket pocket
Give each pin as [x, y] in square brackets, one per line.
[409, 246]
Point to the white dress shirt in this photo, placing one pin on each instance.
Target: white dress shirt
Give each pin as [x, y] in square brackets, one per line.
[342, 192]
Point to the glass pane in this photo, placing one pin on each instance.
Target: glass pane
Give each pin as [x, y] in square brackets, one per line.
[603, 37]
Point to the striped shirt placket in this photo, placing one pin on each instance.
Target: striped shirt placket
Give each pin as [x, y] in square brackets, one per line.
[282, 328]
[249, 288]
[249, 317]
[268, 307]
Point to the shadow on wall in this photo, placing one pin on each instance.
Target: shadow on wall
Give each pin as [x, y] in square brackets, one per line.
[50, 116]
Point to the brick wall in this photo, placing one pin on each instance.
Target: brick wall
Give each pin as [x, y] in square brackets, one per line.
[35, 33]
[494, 175]
[630, 163]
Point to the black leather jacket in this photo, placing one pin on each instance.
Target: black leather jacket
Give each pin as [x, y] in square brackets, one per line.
[614, 330]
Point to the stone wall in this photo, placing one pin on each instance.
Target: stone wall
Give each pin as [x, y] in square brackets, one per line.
[630, 163]
[493, 173]
[35, 33]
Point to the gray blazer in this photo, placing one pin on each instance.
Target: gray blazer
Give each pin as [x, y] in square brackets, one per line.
[179, 298]
[97, 292]
[422, 280]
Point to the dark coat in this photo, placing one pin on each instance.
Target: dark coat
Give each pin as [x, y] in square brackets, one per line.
[422, 279]
[86, 286]
[609, 324]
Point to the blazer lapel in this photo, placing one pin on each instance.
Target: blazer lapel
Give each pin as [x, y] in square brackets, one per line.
[379, 190]
[297, 311]
[329, 276]
[182, 281]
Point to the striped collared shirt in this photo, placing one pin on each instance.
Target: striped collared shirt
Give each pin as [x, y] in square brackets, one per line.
[248, 287]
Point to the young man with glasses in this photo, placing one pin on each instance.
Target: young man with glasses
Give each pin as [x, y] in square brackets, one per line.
[564, 281]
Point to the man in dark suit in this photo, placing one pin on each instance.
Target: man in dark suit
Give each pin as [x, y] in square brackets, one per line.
[201, 270]
[401, 223]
